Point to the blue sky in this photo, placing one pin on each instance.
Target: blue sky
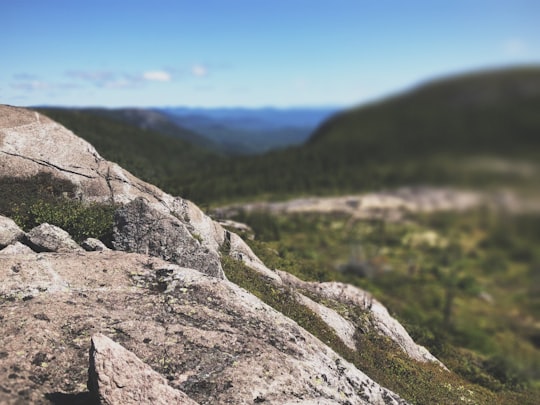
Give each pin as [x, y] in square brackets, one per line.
[250, 52]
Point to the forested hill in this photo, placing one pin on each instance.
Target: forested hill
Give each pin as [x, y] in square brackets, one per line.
[486, 112]
[475, 130]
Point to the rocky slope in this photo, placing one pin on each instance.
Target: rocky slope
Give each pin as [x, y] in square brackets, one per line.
[161, 294]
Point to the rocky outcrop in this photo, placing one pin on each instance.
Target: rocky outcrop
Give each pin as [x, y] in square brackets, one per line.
[16, 249]
[93, 245]
[211, 339]
[29, 146]
[117, 376]
[389, 205]
[9, 232]
[378, 317]
[50, 238]
[142, 229]
[393, 205]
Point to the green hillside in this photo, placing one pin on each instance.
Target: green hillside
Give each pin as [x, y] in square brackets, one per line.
[154, 120]
[454, 131]
[495, 112]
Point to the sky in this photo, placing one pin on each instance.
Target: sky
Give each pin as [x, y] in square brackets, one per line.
[251, 53]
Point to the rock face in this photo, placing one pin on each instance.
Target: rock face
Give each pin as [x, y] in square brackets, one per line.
[117, 376]
[211, 339]
[142, 229]
[29, 146]
[50, 238]
[16, 248]
[9, 232]
[390, 205]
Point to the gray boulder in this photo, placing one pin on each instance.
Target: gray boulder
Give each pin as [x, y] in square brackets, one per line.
[141, 228]
[117, 376]
[50, 238]
[16, 248]
[93, 245]
[9, 232]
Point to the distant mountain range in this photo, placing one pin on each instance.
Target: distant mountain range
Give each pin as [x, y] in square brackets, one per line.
[228, 131]
[243, 131]
[478, 129]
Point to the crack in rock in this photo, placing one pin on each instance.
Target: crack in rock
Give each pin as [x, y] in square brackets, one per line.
[48, 164]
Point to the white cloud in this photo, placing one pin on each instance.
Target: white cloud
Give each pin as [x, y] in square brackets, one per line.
[199, 70]
[157, 76]
[514, 47]
[117, 80]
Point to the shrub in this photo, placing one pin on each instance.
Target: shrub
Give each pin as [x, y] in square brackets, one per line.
[31, 201]
[80, 220]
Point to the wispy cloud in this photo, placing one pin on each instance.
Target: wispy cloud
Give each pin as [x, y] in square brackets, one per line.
[514, 47]
[157, 76]
[105, 78]
[31, 85]
[40, 85]
[121, 83]
[199, 70]
[101, 79]
[119, 80]
[97, 77]
[25, 76]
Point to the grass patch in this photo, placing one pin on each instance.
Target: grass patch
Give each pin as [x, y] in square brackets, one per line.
[32, 201]
[280, 298]
[472, 299]
[377, 356]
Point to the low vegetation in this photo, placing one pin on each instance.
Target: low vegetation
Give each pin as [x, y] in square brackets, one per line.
[45, 199]
[464, 285]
